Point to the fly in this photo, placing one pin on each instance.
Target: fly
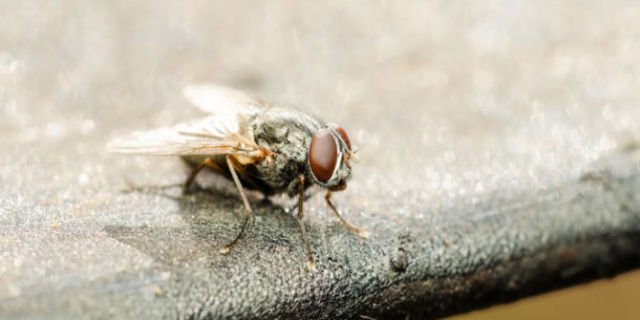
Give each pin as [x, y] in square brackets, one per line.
[256, 144]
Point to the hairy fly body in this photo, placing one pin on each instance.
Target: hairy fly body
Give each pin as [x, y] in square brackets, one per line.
[257, 145]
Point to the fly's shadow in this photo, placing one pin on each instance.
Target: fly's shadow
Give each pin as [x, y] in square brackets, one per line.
[211, 217]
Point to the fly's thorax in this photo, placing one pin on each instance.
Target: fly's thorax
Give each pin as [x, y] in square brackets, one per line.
[287, 134]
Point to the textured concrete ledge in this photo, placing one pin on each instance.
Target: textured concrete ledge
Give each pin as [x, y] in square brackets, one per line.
[498, 157]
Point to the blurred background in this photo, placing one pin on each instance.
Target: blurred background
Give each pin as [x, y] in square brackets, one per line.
[605, 299]
[454, 73]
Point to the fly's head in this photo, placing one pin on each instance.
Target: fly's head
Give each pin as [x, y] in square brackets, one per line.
[329, 157]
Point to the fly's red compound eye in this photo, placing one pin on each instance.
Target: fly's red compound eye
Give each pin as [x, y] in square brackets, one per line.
[345, 137]
[323, 155]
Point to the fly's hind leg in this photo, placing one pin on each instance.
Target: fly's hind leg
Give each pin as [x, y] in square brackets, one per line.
[207, 163]
[249, 213]
[359, 231]
[130, 187]
[311, 262]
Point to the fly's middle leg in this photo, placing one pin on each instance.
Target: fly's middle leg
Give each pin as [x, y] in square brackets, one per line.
[311, 262]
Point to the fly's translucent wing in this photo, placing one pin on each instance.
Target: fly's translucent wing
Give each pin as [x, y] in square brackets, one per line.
[224, 131]
[212, 135]
[219, 100]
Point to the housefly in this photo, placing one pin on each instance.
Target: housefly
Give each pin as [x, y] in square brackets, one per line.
[256, 144]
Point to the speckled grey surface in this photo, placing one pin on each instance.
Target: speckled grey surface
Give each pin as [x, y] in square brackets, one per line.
[498, 155]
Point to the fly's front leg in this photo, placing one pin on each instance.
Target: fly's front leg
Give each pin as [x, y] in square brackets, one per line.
[306, 197]
[311, 262]
[249, 213]
[359, 231]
